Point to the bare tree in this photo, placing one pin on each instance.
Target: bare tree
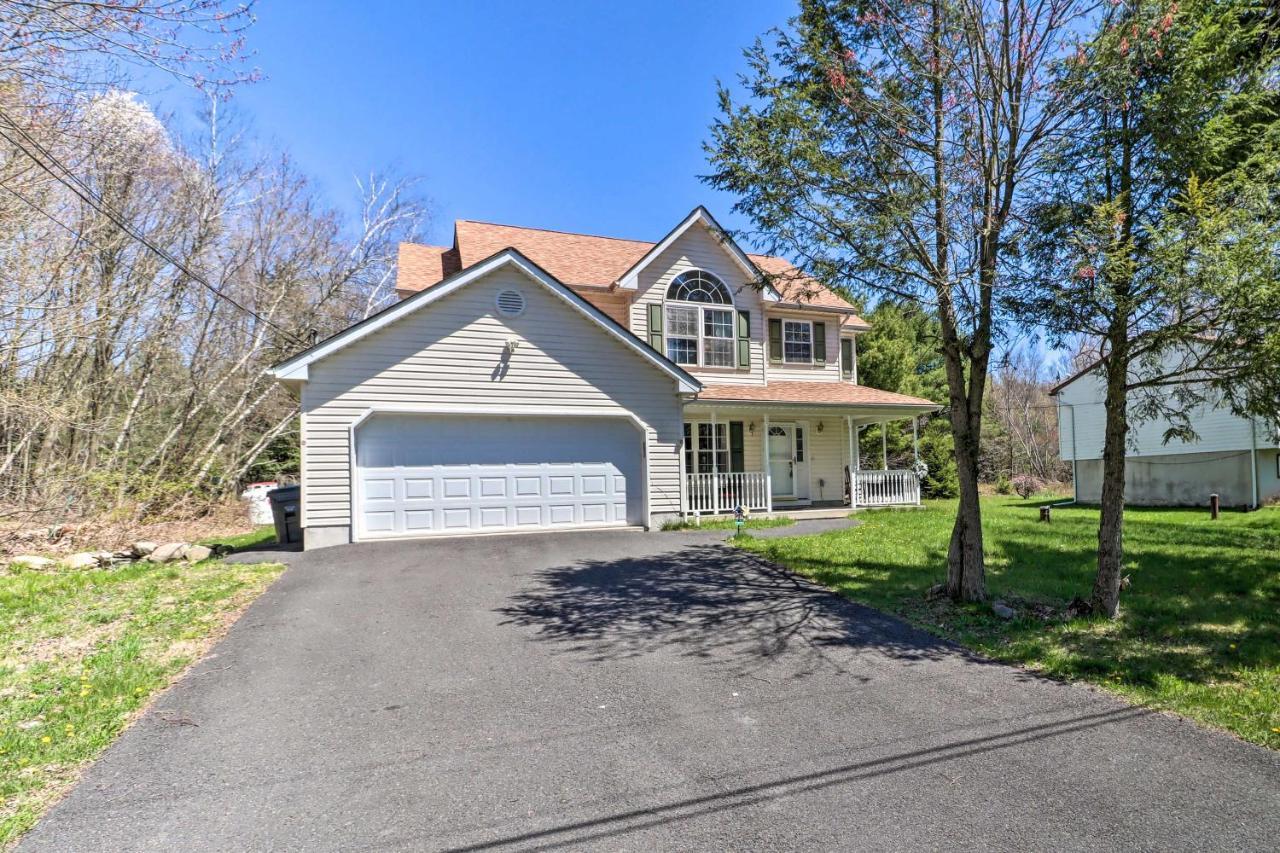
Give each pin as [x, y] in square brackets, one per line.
[125, 381]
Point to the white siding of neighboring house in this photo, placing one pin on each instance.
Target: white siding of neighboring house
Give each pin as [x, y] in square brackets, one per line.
[697, 249]
[1082, 419]
[450, 352]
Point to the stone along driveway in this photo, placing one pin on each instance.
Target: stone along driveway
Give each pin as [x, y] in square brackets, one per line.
[632, 691]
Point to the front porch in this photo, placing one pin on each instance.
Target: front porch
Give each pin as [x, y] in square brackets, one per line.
[778, 460]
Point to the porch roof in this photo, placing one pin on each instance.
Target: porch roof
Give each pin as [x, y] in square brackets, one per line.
[799, 393]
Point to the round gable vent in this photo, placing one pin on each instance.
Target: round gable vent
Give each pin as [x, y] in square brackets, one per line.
[510, 303]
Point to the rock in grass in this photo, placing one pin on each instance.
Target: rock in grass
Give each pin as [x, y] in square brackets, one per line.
[83, 560]
[30, 561]
[196, 553]
[142, 548]
[168, 552]
[1003, 610]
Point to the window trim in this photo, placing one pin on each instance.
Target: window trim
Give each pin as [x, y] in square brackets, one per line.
[692, 449]
[797, 322]
[729, 307]
[676, 282]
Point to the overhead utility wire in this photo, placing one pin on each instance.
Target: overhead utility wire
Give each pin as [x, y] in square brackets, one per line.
[91, 198]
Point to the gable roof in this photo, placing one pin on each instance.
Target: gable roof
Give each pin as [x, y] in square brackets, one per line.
[698, 216]
[1087, 369]
[295, 367]
[588, 260]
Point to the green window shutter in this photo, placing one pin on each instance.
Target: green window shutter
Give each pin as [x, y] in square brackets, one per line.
[819, 343]
[744, 339]
[737, 458]
[846, 358]
[655, 327]
[775, 339]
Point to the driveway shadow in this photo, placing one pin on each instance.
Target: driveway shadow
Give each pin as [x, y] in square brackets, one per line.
[713, 603]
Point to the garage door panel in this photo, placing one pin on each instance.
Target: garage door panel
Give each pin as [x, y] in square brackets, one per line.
[495, 473]
[419, 520]
[493, 487]
[457, 518]
[380, 490]
[419, 488]
[380, 522]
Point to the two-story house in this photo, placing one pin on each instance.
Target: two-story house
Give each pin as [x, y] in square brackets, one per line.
[535, 379]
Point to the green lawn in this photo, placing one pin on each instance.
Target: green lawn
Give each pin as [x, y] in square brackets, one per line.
[263, 534]
[82, 651]
[1200, 627]
[722, 522]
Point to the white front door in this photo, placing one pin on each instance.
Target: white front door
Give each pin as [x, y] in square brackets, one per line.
[782, 462]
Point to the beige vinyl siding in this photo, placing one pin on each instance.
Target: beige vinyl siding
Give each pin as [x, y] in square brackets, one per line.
[828, 454]
[697, 249]
[451, 353]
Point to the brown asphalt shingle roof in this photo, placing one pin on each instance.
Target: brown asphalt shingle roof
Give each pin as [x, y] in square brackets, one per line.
[817, 393]
[575, 259]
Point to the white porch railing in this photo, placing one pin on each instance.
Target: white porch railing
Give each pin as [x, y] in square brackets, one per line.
[887, 488]
[713, 493]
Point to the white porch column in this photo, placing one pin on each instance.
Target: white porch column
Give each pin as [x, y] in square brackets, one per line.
[915, 451]
[884, 445]
[715, 466]
[764, 464]
[684, 475]
[853, 462]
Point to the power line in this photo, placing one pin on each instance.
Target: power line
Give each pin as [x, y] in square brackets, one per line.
[85, 193]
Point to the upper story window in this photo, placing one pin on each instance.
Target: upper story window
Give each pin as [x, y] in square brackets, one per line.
[699, 286]
[700, 332]
[797, 341]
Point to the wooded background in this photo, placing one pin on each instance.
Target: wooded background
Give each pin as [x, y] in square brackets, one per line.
[127, 383]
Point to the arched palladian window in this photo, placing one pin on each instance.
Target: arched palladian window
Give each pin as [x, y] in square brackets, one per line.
[699, 332]
[699, 286]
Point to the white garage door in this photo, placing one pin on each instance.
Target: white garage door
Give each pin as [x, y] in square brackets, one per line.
[420, 475]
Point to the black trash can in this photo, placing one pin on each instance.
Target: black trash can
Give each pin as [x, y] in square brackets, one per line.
[286, 505]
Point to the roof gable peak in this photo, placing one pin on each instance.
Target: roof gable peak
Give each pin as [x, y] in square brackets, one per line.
[629, 280]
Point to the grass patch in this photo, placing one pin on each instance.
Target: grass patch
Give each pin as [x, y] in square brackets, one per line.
[263, 534]
[727, 523]
[1200, 626]
[82, 651]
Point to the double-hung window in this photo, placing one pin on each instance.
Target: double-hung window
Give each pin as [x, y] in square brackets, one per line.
[699, 332]
[709, 451]
[797, 341]
[714, 448]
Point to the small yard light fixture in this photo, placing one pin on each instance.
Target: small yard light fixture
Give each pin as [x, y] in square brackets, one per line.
[512, 344]
[819, 426]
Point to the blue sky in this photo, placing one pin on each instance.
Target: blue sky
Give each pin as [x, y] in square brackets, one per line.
[579, 116]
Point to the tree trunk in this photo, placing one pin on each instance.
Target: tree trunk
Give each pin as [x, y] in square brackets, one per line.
[1106, 585]
[966, 573]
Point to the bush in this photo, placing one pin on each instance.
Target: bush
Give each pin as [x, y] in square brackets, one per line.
[1003, 486]
[1026, 485]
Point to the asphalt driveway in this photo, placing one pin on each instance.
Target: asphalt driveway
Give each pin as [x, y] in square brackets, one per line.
[627, 691]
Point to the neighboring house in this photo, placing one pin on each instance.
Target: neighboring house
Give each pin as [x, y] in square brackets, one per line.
[535, 379]
[1235, 458]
